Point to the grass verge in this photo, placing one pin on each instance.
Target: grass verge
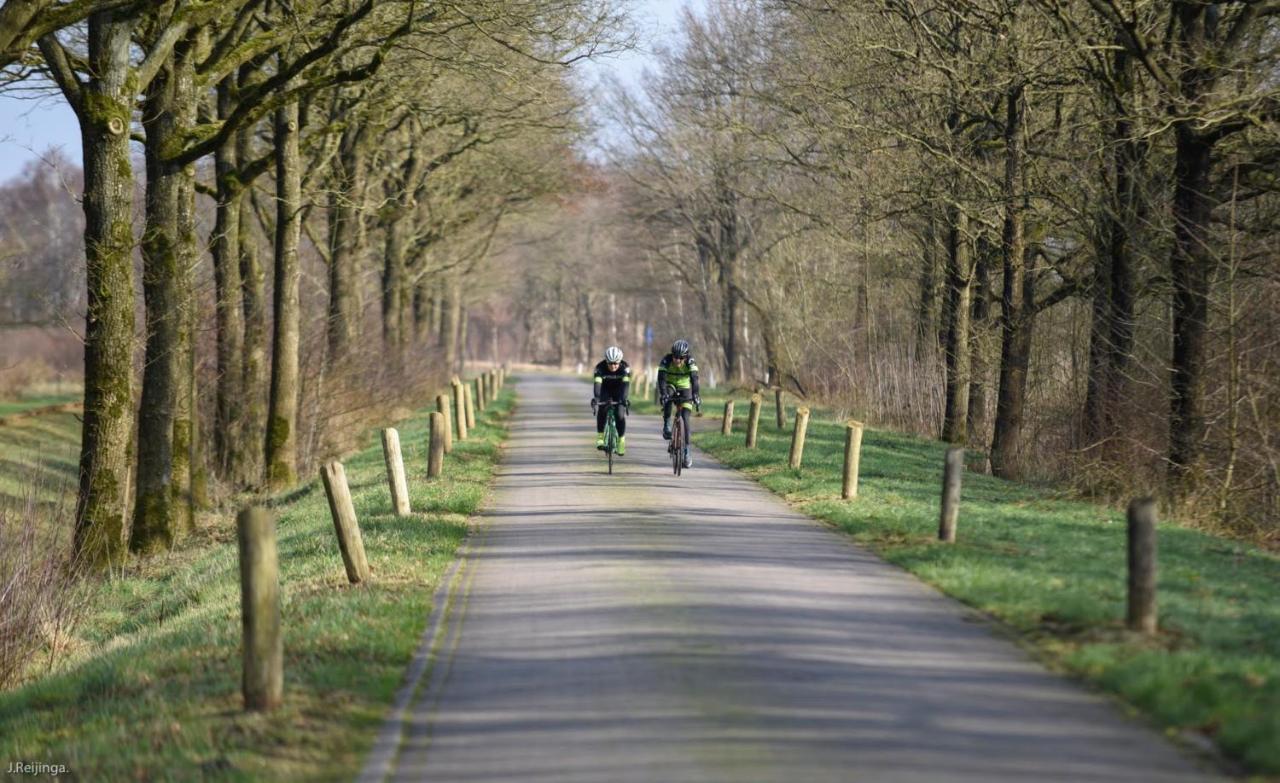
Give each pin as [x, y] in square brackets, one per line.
[1052, 569]
[153, 690]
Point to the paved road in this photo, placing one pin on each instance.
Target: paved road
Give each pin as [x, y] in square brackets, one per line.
[643, 627]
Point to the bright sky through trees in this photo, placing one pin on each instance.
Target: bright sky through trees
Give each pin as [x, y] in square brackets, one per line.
[30, 126]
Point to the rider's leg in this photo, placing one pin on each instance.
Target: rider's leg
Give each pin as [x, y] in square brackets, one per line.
[600, 416]
[666, 421]
[620, 419]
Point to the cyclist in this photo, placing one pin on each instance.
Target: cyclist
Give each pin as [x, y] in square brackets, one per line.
[678, 380]
[612, 382]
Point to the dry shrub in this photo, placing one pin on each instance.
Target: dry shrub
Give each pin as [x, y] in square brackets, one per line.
[41, 600]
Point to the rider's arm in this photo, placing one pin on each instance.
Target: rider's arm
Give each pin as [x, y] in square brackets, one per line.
[595, 389]
[693, 380]
[626, 387]
[662, 379]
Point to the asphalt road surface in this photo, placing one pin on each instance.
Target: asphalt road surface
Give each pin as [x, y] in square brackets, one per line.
[648, 627]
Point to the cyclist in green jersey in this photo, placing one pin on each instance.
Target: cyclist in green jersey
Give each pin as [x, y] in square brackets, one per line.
[678, 380]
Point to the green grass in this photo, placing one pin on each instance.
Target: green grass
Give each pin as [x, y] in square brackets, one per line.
[39, 457]
[1053, 569]
[152, 691]
[31, 402]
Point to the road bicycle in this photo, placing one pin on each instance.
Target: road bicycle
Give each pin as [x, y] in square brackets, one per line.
[678, 447]
[610, 446]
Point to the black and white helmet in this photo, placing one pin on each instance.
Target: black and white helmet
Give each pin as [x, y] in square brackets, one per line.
[613, 354]
[680, 349]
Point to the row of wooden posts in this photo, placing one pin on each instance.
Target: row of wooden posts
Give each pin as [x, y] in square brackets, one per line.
[1141, 516]
[263, 654]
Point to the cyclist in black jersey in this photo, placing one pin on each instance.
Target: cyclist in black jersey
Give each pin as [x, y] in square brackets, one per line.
[678, 380]
[612, 382]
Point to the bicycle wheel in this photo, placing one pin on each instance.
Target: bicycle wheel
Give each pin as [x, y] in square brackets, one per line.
[677, 445]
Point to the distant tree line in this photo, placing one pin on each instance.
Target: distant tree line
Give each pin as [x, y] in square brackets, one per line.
[1046, 230]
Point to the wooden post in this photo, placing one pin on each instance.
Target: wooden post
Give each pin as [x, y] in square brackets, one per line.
[852, 456]
[442, 407]
[780, 413]
[952, 470]
[726, 424]
[344, 521]
[491, 386]
[395, 471]
[480, 397]
[262, 682]
[753, 421]
[459, 412]
[470, 406]
[435, 450]
[797, 437]
[1142, 566]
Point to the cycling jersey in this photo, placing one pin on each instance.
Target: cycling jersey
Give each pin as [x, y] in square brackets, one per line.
[612, 384]
[680, 376]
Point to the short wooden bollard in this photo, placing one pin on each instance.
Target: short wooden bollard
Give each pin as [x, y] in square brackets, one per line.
[779, 411]
[491, 386]
[1141, 615]
[797, 437]
[481, 398]
[852, 456]
[470, 406]
[435, 449]
[395, 471]
[344, 522]
[726, 424]
[262, 682]
[442, 407]
[753, 420]
[459, 412]
[952, 471]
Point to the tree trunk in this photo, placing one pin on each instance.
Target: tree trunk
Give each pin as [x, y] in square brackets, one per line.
[1192, 273]
[959, 293]
[1017, 307]
[282, 442]
[247, 453]
[452, 314]
[393, 282]
[225, 249]
[162, 509]
[421, 310]
[106, 444]
[1111, 332]
[344, 249]
[927, 295]
[589, 317]
[979, 369]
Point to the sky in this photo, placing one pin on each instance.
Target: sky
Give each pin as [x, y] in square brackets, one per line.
[30, 127]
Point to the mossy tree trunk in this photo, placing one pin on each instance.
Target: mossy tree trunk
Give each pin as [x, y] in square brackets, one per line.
[103, 105]
[162, 509]
[282, 417]
[252, 434]
[225, 249]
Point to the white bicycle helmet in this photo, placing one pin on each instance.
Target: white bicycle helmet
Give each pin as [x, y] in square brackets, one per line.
[613, 354]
